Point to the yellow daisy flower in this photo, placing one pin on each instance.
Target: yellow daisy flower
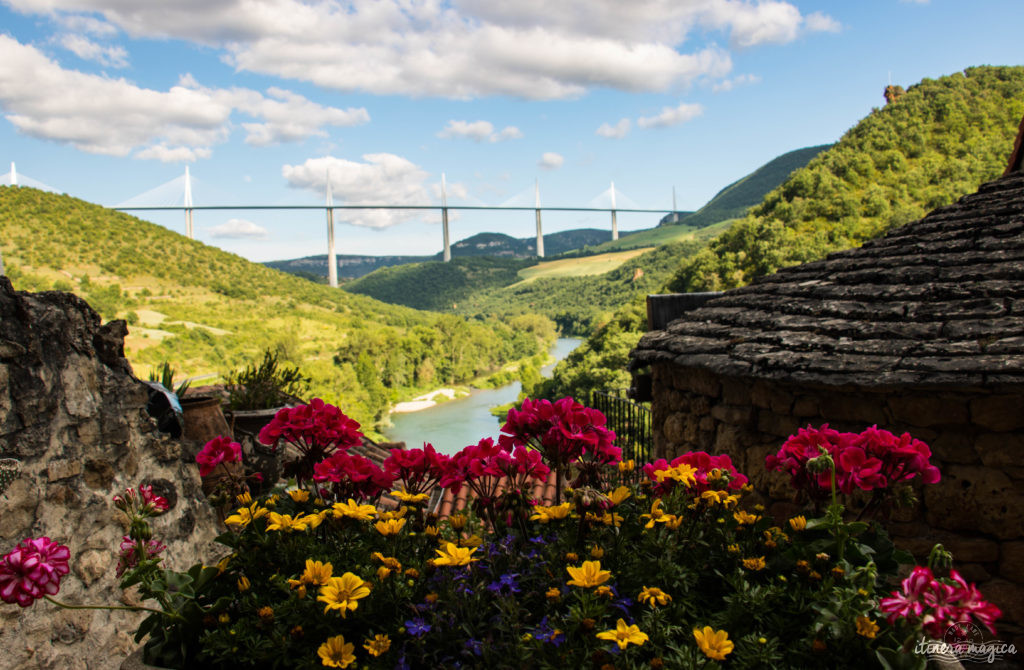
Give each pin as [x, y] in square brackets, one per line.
[342, 593]
[654, 596]
[354, 510]
[298, 495]
[798, 523]
[587, 575]
[624, 635]
[246, 515]
[454, 555]
[316, 574]
[389, 526]
[866, 627]
[548, 514]
[743, 517]
[285, 522]
[336, 653]
[410, 498]
[378, 645]
[714, 643]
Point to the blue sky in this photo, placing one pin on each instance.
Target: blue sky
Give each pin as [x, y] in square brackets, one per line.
[108, 99]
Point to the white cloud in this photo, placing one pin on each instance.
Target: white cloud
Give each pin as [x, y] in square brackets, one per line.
[823, 23]
[238, 229]
[671, 116]
[102, 115]
[478, 131]
[89, 25]
[551, 161]
[617, 132]
[531, 49]
[165, 154]
[383, 179]
[86, 49]
[740, 80]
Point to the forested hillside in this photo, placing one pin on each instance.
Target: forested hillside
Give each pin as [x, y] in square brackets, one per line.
[734, 200]
[937, 141]
[210, 312]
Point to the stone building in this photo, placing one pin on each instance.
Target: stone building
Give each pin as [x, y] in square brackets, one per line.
[920, 331]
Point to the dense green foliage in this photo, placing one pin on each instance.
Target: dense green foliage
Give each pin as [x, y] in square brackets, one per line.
[599, 363]
[580, 304]
[734, 200]
[929, 146]
[209, 312]
[437, 285]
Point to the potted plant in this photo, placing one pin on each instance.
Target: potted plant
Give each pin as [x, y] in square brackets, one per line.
[255, 394]
[201, 415]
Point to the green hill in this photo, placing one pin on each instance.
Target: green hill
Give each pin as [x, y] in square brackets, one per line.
[939, 140]
[733, 201]
[210, 312]
[436, 285]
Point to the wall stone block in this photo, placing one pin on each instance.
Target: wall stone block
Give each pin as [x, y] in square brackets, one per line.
[998, 412]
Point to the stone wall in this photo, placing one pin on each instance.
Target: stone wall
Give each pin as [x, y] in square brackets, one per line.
[976, 437]
[73, 414]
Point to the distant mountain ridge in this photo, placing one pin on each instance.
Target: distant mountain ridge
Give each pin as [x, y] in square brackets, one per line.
[498, 245]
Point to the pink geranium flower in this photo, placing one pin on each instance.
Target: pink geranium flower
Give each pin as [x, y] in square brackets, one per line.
[316, 431]
[32, 569]
[218, 450]
[130, 552]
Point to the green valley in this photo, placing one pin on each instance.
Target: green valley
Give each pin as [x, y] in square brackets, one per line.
[208, 312]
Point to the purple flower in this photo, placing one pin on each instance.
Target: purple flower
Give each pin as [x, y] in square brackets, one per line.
[417, 627]
[476, 647]
[545, 633]
[505, 586]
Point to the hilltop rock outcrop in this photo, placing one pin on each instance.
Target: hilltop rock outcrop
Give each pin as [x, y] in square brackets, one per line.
[74, 415]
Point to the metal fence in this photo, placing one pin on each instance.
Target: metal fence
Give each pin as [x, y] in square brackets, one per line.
[631, 422]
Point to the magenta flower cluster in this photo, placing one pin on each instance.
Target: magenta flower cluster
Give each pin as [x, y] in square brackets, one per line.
[564, 431]
[315, 431]
[703, 463]
[32, 569]
[873, 459]
[938, 604]
[218, 450]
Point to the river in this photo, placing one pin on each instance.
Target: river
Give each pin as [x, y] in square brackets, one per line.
[454, 424]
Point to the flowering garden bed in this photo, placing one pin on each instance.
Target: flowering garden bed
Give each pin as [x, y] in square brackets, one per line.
[634, 566]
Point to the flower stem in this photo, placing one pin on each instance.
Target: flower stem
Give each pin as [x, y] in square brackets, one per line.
[132, 608]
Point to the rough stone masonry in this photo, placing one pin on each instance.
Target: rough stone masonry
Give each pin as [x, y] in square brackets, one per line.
[74, 415]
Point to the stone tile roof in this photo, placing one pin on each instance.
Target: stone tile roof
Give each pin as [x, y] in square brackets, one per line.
[935, 302]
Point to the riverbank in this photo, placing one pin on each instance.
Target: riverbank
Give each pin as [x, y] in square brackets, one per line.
[450, 423]
[427, 400]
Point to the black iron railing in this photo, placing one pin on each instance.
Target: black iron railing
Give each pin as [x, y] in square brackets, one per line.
[631, 422]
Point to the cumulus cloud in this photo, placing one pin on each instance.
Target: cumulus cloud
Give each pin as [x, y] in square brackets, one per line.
[550, 161]
[464, 48]
[381, 179]
[823, 23]
[671, 116]
[90, 25]
[86, 49]
[478, 131]
[102, 115]
[729, 84]
[237, 229]
[616, 132]
[166, 154]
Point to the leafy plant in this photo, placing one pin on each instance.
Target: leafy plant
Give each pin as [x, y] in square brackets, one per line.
[164, 374]
[265, 385]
